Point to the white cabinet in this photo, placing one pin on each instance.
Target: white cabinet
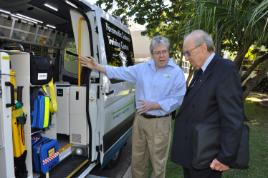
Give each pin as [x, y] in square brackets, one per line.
[63, 114]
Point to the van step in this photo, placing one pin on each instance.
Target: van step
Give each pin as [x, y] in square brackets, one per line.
[69, 167]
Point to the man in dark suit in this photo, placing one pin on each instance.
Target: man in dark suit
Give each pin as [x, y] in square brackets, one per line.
[213, 102]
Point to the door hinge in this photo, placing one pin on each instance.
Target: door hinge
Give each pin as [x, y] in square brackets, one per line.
[99, 148]
[96, 30]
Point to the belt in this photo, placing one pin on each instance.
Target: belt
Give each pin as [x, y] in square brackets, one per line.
[149, 116]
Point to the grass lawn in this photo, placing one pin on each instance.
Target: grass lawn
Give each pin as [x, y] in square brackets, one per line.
[258, 123]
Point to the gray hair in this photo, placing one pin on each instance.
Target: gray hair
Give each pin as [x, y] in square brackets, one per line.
[200, 36]
[159, 40]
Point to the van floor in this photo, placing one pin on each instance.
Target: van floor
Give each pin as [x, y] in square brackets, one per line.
[69, 167]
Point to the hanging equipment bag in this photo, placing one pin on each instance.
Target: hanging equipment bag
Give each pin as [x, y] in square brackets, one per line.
[41, 70]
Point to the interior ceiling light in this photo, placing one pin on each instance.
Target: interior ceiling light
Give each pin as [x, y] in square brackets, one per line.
[51, 26]
[13, 15]
[28, 18]
[51, 7]
[7, 12]
[71, 4]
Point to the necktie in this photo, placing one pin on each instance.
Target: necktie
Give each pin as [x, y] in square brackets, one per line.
[197, 75]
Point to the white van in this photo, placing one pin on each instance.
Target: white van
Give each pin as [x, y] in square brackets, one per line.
[94, 117]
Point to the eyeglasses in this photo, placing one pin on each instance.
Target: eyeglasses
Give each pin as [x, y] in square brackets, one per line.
[158, 53]
[188, 52]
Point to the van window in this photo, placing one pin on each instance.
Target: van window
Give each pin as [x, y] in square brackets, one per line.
[118, 45]
[70, 59]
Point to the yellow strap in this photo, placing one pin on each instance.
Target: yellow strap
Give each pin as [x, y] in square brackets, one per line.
[17, 112]
[17, 129]
[17, 133]
[13, 80]
[53, 107]
[44, 87]
[46, 112]
[81, 19]
[53, 104]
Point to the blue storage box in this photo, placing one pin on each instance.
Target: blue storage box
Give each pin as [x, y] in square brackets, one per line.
[45, 154]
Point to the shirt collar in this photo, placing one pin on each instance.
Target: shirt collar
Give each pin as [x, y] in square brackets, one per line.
[208, 60]
[170, 63]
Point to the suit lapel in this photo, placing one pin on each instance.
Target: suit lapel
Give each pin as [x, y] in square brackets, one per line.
[201, 83]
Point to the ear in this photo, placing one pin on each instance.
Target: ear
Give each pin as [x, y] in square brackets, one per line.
[204, 47]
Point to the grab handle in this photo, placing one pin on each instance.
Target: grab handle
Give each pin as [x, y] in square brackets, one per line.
[12, 92]
[109, 92]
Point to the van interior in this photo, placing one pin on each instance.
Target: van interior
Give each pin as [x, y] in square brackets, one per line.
[44, 28]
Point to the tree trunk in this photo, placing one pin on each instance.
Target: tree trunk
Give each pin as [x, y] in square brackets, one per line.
[191, 72]
[241, 54]
[218, 34]
[218, 43]
[253, 82]
[253, 66]
[181, 58]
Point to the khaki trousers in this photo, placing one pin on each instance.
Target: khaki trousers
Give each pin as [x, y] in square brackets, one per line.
[150, 141]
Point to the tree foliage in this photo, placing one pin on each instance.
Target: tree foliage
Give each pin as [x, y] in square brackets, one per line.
[235, 25]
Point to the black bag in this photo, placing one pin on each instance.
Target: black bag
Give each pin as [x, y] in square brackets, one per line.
[206, 147]
[242, 158]
[40, 69]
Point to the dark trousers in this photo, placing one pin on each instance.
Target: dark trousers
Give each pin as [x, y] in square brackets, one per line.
[203, 173]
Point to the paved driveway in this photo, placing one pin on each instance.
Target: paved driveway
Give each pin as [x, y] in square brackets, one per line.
[120, 170]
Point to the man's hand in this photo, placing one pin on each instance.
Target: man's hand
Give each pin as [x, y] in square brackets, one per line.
[145, 106]
[88, 62]
[218, 166]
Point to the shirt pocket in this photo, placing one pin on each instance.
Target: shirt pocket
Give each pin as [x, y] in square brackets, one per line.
[163, 83]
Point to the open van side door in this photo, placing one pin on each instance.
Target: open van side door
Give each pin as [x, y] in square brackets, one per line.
[83, 38]
[115, 48]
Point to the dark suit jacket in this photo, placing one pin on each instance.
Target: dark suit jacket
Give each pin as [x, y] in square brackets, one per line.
[216, 100]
